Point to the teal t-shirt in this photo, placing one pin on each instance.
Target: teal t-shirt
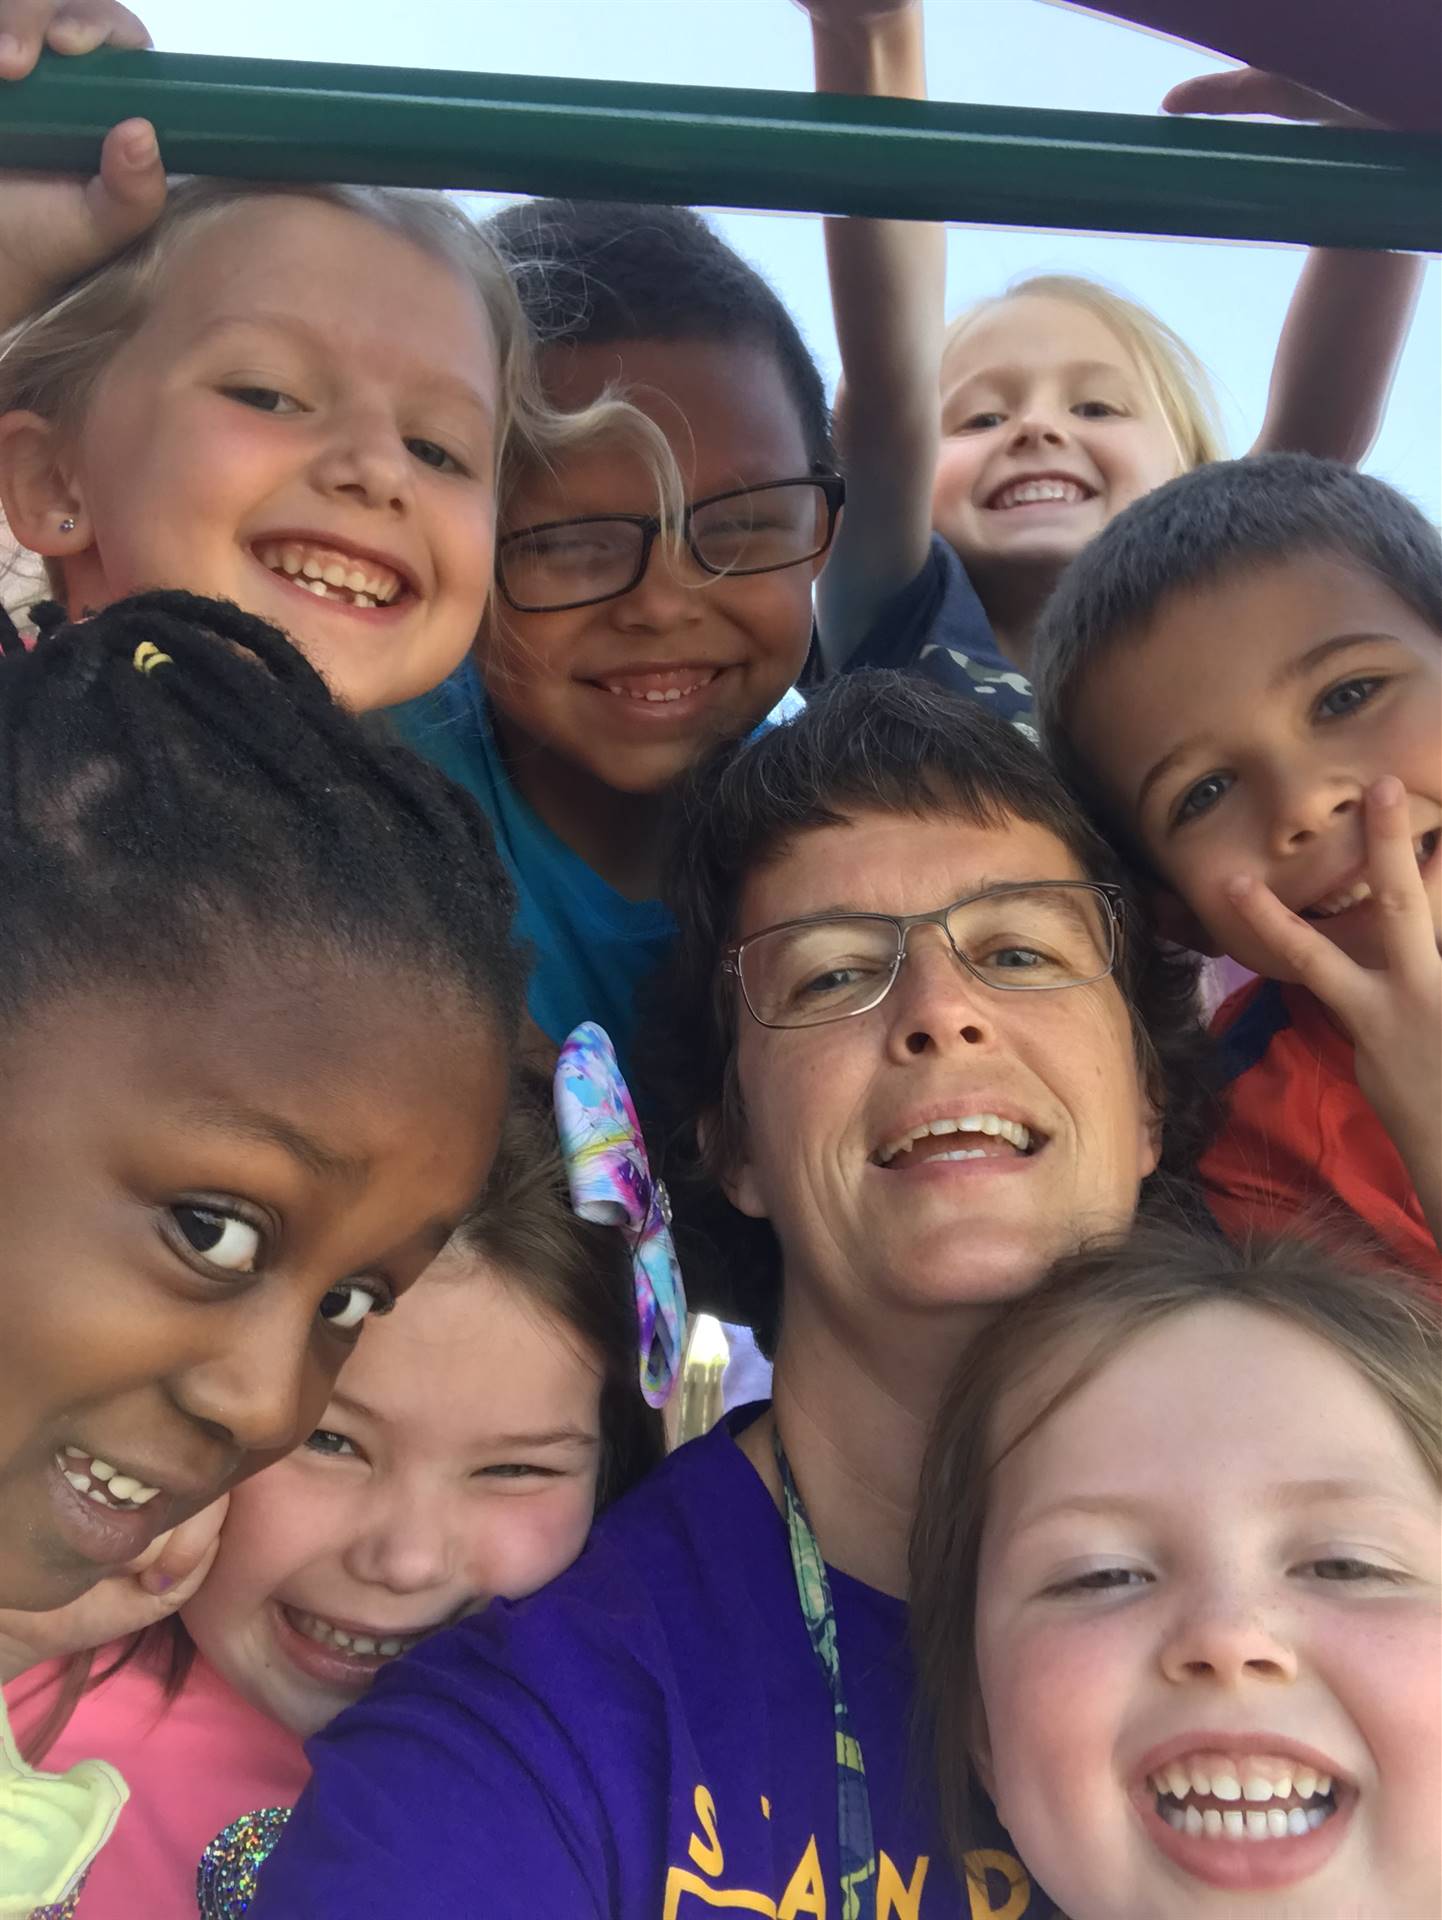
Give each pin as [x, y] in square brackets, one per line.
[590, 947]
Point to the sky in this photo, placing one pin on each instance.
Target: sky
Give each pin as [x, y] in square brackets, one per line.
[1227, 301]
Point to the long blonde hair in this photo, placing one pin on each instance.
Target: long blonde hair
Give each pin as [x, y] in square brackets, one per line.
[1174, 377]
[1090, 1306]
[51, 362]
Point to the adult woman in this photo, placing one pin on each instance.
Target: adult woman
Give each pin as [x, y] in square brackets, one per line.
[659, 1733]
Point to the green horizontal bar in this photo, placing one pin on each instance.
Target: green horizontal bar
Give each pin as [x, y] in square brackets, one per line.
[712, 146]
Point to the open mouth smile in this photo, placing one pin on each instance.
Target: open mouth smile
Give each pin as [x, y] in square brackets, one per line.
[1259, 1797]
[1248, 1819]
[1356, 892]
[373, 1647]
[332, 573]
[990, 1136]
[1044, 489]
[106, 1485]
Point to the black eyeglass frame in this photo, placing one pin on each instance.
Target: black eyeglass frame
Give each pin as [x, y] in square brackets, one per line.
[832, 486]
[1113, 900]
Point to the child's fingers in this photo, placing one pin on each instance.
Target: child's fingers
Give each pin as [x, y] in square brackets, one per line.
[1250, 90]
[80, 27]
[1399, 894]
[171, 1561]
[128, 193]
[83, 25]
[1301, 953]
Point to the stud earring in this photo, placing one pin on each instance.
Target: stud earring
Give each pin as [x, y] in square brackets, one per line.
[67, 525]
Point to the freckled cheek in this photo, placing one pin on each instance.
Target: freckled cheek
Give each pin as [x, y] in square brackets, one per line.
[1388, 1679]
[514, 1553]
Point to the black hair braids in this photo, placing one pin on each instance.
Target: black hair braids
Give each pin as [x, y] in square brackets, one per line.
[177, 785]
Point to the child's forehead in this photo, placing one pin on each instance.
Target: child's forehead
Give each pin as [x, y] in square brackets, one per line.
[295, 255]
[725, 405]
[1210, 1380]
[1021, 332]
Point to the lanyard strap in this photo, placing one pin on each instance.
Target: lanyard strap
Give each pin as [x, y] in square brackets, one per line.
[853, 1802]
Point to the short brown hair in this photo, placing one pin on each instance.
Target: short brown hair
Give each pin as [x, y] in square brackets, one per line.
[887, 743]
[1097, 1301]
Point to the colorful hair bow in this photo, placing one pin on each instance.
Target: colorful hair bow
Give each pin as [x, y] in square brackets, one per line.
[611, 1183]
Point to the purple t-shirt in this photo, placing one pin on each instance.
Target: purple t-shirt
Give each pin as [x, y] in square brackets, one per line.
[644, 1738]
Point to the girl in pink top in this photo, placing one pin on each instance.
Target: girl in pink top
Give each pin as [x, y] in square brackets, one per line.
[461, 1458]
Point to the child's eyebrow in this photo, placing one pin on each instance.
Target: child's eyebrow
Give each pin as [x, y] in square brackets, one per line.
[315, 340]
[253, 1123]
[1303, 663]
[1283, 1496]
[1069, 370]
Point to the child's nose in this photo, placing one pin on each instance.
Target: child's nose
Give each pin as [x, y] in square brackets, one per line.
[1038, 425]
[668, 596]
[1223, 1641]
[1309, 803]
[408, 1544]
[258, 1386]
[366, 461]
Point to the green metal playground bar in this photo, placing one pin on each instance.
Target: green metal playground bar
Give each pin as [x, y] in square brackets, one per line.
[999, 166]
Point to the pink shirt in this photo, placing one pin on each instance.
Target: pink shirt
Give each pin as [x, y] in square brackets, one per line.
[192, 1768]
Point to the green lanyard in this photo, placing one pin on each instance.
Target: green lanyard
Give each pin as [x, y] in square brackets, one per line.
[853, 1802]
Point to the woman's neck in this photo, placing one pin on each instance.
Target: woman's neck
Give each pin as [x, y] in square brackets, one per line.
[618, 835]
[854, 1419]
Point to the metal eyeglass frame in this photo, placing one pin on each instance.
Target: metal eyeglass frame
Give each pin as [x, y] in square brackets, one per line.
[832, 486]
[1113, 901]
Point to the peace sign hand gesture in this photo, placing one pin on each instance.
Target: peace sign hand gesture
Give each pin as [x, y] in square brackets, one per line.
[1393, 1013]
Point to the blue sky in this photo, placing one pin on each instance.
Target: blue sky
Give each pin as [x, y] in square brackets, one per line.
[1226, 301]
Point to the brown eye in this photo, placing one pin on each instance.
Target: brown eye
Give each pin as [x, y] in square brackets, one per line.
[345, 1306]
[223, 1239]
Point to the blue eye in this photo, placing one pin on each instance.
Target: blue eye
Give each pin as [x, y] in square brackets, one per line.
[1095, 409]
[432, 455]
[1348, 697]
[1202, 797]
[325, 1440]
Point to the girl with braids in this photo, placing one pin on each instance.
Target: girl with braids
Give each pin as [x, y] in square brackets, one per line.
[301, 399]
[256, 1007]
[471, 1439]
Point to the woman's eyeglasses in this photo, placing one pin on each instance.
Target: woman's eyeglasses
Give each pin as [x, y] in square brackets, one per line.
[1018, 938]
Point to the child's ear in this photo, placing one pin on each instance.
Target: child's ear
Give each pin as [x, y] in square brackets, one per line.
[1175, 921]
[40, 503]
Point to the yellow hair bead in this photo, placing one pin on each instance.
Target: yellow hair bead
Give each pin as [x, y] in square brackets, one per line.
[148, 657]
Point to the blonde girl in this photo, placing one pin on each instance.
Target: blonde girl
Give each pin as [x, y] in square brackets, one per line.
[304, 400]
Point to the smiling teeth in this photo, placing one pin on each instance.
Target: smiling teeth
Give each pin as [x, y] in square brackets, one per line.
[989, 1123]
[1024, 492]
[366, 1645]
[1248, 1794]
[657, 696]
[1332, 904]
[330, 575]
[104, 1484]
